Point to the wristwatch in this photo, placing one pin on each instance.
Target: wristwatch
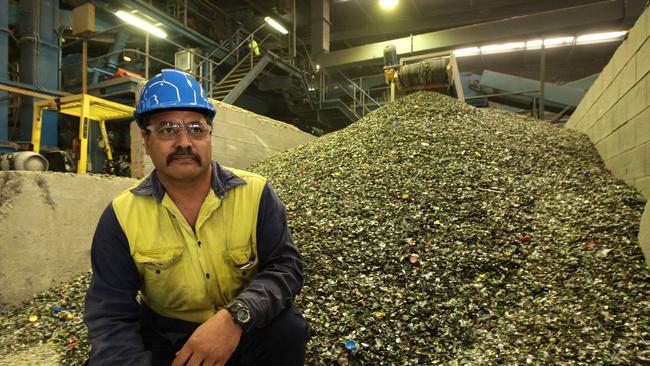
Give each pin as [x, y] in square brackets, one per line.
[240, 313]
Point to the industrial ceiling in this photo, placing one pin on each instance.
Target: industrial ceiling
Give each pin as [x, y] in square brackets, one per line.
[356, 26]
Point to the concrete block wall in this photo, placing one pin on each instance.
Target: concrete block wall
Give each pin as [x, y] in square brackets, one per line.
[615, 115]
[239, 138]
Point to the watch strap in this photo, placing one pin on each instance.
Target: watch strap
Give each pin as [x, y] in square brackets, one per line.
[236, 308]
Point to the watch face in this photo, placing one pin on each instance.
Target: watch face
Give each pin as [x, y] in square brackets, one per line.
[243, 316]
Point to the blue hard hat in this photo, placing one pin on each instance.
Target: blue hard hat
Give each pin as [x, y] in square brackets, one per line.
[172, 89]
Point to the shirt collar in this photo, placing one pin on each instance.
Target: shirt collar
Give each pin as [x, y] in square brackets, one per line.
[222, 180]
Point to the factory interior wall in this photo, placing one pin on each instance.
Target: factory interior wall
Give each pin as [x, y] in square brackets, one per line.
[47, 221]
[615, 115]
[239, 138]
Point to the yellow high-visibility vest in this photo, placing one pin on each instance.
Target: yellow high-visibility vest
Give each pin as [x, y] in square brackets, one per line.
[254, 47]
[187, 274]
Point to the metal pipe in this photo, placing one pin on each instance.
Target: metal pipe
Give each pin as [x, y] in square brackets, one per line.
[84, 67]
[185, 13]
[354, 101]
[363, 96]
[542, 77]
[4, 69]
[25, 92]
[39, 41]
[319, 89]
[295, 26]
[7, 30]
[146, 57]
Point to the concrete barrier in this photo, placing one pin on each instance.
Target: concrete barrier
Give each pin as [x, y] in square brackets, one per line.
[47, 221]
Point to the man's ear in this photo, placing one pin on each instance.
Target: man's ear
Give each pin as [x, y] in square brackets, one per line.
[146, 135]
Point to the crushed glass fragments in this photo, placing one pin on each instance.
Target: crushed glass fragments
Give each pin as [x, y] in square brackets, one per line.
[436, 233]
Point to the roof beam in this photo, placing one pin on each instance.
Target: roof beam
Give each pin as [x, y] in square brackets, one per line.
[610, 11]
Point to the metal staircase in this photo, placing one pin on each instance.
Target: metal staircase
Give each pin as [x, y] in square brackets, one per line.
[350, 103]
[239, 78]
[231, 80]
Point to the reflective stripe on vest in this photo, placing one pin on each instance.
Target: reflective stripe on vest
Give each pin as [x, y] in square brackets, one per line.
[186, 275]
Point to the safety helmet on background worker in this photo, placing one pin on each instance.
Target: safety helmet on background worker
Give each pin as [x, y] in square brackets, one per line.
[172, 90]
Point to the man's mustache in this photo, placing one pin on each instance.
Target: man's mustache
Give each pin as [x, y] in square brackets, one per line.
[183, 153]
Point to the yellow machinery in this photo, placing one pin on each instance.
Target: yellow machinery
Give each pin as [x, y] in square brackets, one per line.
[87, 108]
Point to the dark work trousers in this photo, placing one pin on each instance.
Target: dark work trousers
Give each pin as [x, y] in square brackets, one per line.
[281, 343]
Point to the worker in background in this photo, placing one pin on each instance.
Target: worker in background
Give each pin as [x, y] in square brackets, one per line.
[255, 49]
[207, 247]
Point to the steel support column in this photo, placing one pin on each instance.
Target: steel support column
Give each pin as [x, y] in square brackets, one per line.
[542, 80]
[39, 60]
[320, 27]
[97, 153]
[4, 65]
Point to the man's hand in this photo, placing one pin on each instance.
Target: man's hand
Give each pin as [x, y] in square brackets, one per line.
[212, 343]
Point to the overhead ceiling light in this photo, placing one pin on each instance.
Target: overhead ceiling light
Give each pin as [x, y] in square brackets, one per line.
[495, 48]
[388, 4]
[141, 23]
[535, 43]
[470, 51]
[560, 41]
[276, 25]
[600, 37]
[126, 58]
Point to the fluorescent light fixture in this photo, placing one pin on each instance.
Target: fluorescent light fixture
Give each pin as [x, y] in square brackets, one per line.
[126, 58]
[317, 67]
[388, 4]
[495, 48]
[600, 37]
[312, 88]
[276, 25]
[141, 23]
[535, 43]
[560, 41]
[471, 51]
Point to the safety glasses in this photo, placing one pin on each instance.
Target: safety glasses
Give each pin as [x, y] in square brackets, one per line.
[170, 130]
